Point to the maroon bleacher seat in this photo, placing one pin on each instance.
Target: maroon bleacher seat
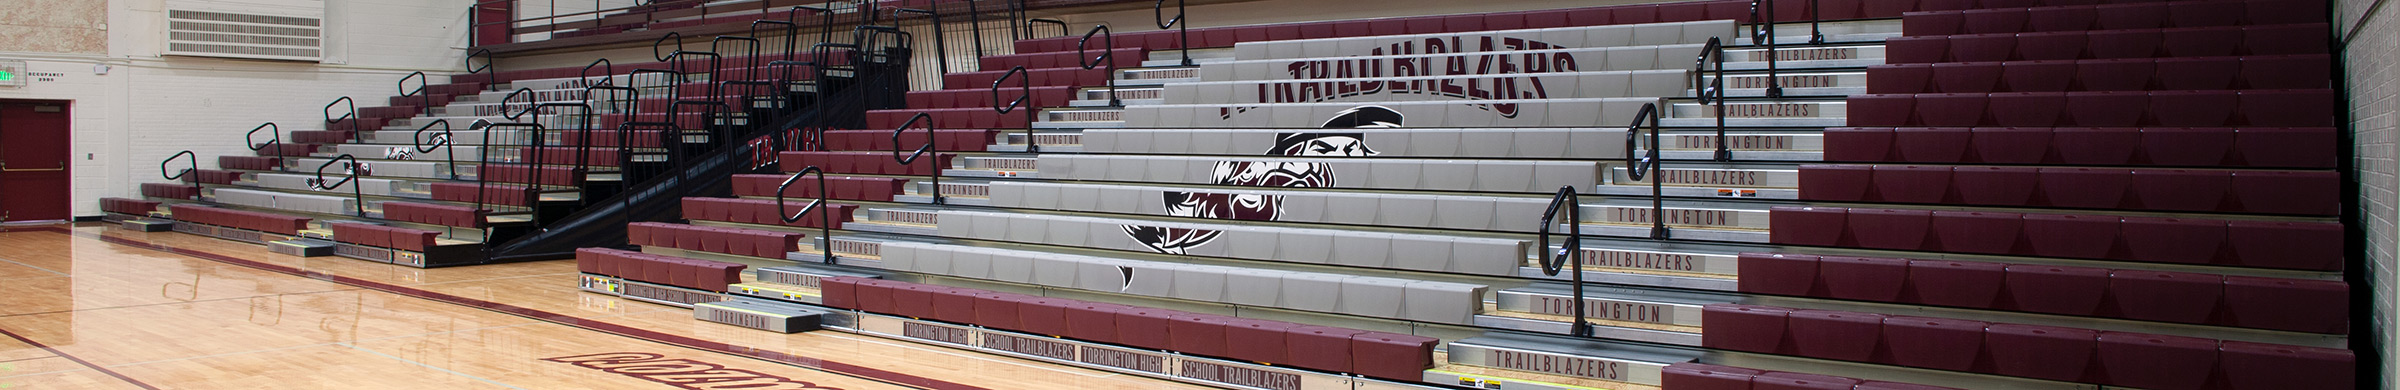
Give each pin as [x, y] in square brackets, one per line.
[2056, 289]
[1696, 376]
[1320, 347]
[2248, 365]
[1995, 185]
[1931, 143]
[2044, 352]
[1800, 381]
[1841, 183]
[1778, 273]
[1862, 278]
[1936, 343]
[1744, 327]
[999, 310]
[1835, 334]
[1093, 321]
[1889, 228]
[1795, 225]
[1259, 340]
[2171, 240]
[2155, 361]
[435, 214]
[2165, 296]
[1392, 356]
[2318, 306]
[1045, 316]
[1150, 328]
[1199, 334]
[1956, 283]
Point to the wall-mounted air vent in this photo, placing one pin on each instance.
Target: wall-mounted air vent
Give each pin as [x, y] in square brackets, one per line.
[221, 33]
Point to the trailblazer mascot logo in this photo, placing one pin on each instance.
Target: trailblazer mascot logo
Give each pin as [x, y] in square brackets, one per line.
[1257, 207]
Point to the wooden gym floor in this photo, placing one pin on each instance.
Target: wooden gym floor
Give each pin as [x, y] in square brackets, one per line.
[85, 306]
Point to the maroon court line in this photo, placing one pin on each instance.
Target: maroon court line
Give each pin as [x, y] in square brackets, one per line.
[77, 360]
[562, 319]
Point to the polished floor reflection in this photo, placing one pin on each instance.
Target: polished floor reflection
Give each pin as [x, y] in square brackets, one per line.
[87, 307]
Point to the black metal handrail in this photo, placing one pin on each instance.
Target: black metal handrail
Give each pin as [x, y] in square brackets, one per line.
[824, 22]
[1183, 33]
[1016, 19]
[512, 95]
[1024, 83]
[654, 45]
[873, 51]
[745, 65]
[608, 72]
[929, 149]
[358, 197]
[1107, 56]
[483, 157]
[276, 132]
[1570, 253]
[1712, 91]
[825, 219]
[186, 173]
[533, 169]
[418, 92]
[441, 140]
[1766, 34]
[487, 64]
[358, 130]
[1816, 30]
[942, 58]
[1063, 30]
[1641, 165]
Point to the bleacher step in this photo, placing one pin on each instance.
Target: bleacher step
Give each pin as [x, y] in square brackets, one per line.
[147, 225]
[1609, 362]
[1709, 180]
[303, 247]
[760, 314]
[1828, 56]
[1662, 309]
[1794, 84]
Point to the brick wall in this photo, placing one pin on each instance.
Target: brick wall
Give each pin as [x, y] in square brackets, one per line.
[2370, 57]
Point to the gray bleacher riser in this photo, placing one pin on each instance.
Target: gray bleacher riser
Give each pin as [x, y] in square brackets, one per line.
[422, 169]
[409, 152]
[1609, 84]
[1590, 36]
[1581, 59]
[301, 182]
[461, 137]
[1416, 252]
[1587, 112]
[1575, 143]
[1397, 174]
[1419, 300]
[326, 204]
[1445, 211]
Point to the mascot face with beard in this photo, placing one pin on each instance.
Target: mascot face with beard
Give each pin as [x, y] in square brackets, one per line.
[1259, 207]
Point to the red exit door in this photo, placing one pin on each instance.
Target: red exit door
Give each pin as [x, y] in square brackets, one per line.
[34, 153]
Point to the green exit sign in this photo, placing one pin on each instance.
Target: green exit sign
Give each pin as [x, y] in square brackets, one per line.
[12, 73]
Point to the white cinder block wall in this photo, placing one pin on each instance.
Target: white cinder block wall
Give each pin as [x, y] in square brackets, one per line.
[147, 107]
[2370, 52]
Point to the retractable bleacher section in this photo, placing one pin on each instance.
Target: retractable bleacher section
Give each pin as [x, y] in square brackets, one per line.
[2036, 194]
[446, 170]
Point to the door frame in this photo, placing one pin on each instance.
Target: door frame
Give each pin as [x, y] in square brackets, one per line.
[67, 107]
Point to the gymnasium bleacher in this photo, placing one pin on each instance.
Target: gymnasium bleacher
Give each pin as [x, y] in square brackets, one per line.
[2023, 194]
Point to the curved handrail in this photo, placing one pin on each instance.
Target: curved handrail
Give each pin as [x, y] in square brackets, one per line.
[1183, 31]
[1647, 164]
[1570, 253]
[1107, 56]
[922, 151]
[357, 196]
[1712, 92]
[1026, 84]
[357, 130]
[1063, 30]
[487, 64]
[608, 71]
[748, 74]
[276, 132]
[512, 95]
[654, 45]
[441, 141]
[182, 174]
[824, 219]
[419, 91]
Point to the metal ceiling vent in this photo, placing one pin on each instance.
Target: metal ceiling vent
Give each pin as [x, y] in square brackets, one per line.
[291, 31]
